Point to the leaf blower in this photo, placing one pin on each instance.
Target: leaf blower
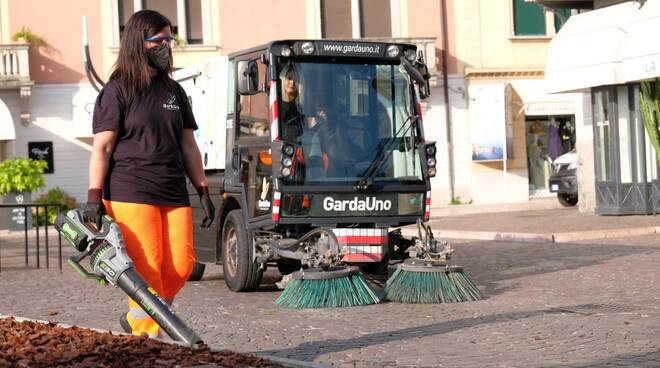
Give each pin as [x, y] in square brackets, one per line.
[111, 264]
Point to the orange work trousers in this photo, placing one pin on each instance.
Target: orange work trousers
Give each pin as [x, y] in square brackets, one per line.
[159, 242]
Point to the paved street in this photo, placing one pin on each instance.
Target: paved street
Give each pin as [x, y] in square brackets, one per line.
[581, 304]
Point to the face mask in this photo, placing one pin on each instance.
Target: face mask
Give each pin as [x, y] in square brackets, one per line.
[159, 57]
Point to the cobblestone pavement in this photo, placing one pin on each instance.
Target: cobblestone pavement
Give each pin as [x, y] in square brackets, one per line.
[548, 305]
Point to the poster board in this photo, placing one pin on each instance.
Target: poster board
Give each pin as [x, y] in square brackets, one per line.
[487, 109]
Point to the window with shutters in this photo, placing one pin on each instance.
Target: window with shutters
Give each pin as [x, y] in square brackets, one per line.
[528, 18]
[178, 12]
[374, 18]
[336, 19]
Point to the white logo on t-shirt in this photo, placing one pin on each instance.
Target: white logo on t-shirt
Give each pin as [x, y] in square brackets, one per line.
[171, 103]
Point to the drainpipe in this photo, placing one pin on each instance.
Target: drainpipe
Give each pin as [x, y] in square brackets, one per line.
[445, 87]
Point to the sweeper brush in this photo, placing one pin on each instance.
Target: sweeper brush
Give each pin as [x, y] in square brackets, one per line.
[334, 287]
[428, 278]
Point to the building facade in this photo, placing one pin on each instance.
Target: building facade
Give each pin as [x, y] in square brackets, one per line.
[493, 61]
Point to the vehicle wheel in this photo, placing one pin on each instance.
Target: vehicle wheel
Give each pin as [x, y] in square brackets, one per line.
[241, 273]
[288, 266]
[197, 271]
[567, 199]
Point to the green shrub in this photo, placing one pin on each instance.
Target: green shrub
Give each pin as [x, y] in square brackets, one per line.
[21, 175]
[55, 195]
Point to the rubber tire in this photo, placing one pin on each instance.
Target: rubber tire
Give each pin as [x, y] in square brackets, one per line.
[567, 200]
[247, 274]
[197, 271]
[288, 266]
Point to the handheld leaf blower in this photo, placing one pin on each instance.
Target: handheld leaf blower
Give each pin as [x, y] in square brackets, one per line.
[111, 264]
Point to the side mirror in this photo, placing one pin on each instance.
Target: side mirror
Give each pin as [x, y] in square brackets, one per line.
[425, 87]
[248, 77]
[420, 74]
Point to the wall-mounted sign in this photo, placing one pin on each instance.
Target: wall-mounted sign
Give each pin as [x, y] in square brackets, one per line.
[487, 122]
[42, 151]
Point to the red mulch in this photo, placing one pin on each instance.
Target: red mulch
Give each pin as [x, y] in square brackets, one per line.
[34, 344]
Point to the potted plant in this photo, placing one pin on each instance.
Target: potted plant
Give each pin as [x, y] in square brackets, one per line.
[179, 43]
[55, 195]
[18, 179]
[26, 36]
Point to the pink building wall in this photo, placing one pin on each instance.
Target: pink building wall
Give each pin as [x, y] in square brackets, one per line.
[248, 23]
[59, 24]
[425, 20]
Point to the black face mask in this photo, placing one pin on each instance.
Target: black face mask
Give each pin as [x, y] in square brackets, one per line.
[159, 57]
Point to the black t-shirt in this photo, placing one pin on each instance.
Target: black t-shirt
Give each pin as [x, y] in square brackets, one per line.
[146, 165]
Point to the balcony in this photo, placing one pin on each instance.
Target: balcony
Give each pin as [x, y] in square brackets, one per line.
[15, 75]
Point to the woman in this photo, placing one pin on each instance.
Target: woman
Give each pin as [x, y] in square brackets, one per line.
[143, 141]
[292, 118]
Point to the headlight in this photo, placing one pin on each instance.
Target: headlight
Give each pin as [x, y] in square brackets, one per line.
[288, 150]
[392, 51]
[286, 162]
[430, 162]
[307, 48]
[431, 172]
[410, 55]
[573, 166]
[430, 150]
[286, 51]
[286, 171]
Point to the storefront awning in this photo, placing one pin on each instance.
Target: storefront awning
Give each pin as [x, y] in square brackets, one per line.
[588, 50]
[641, 57]
[7, 130]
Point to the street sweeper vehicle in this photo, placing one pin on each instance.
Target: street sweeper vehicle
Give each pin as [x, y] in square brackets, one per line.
[315, 156]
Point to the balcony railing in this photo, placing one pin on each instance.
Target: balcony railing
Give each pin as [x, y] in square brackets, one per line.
[15, 75]
[14, 65]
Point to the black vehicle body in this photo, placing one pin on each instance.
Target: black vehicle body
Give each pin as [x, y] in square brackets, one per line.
[563, 180]
[264, 217]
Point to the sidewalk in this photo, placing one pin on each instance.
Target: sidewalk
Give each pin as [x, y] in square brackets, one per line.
[539, 220]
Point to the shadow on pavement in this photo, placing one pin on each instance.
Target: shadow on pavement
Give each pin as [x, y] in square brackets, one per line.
[487, 263]
[312, 350]
[637, 360]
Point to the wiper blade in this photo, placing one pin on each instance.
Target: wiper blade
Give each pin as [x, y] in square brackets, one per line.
[383, 154]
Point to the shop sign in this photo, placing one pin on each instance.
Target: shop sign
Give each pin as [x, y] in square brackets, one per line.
[487, 122]
[549, 108]
[42, 151]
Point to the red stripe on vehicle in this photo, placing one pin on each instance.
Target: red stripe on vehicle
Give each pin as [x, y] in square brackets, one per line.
[363, 257]
[351, 239]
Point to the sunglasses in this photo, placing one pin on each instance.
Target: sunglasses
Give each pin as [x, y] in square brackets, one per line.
[169, 41]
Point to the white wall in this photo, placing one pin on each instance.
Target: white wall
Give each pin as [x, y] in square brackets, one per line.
[584, 143]
[52, 119]
[435, 129]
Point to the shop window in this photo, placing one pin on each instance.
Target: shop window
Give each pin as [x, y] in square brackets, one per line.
[528, 18]
[561, 17]
[190, 10]
[374, 18]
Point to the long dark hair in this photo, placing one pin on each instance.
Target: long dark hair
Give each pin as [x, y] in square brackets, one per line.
[132, 70]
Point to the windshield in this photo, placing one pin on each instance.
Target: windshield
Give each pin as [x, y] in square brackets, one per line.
[348, 122]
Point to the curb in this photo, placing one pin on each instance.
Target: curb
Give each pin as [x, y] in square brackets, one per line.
[542, 237]
[286, 362]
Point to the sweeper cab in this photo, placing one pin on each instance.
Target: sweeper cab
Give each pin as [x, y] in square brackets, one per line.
[315, 156]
